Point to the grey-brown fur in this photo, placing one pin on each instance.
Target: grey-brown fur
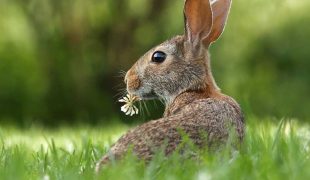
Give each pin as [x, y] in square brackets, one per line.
[194, 103]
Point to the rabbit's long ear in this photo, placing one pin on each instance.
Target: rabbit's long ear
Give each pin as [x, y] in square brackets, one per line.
[198, 21]
[220, 9]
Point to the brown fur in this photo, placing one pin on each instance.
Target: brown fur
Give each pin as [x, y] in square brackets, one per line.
[194, 103]
[135, 82]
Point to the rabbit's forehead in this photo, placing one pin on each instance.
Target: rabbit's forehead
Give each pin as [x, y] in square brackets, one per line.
[169, 48]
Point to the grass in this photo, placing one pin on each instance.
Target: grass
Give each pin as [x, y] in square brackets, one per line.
[270, 151]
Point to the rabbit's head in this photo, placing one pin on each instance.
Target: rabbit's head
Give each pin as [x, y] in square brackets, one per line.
[181, 63]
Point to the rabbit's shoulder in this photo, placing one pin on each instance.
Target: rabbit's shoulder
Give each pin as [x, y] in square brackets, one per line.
[217, 113]
[225, 104]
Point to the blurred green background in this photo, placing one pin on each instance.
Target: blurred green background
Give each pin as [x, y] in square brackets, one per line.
[60, 61]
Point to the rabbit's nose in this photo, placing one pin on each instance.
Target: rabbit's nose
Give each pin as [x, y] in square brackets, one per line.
[126, 78]
[132, 80]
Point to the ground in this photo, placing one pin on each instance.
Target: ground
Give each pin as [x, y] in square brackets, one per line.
[273, 149]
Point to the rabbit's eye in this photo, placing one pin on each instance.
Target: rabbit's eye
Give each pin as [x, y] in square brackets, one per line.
[158, 57]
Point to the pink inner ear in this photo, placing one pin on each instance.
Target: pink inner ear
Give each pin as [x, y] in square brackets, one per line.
[220, 10]
[198, 19]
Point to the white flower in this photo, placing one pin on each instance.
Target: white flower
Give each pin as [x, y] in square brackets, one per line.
[129, 108]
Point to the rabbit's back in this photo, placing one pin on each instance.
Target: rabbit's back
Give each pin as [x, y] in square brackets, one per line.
[208, 122]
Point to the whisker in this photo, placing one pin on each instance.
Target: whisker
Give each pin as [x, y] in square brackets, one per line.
[121, 93]
[155, 104]
[122, 90]
[162, 101]
[122, 73]
[146, 108]
[141, 109]
[119, 86]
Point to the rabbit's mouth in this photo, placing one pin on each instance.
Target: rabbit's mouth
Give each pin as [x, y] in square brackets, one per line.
[145, 95]
[149, 96]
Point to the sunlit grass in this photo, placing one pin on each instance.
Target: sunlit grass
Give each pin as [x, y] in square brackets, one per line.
[270, 151]
[66, 137]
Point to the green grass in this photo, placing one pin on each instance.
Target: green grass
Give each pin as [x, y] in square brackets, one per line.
[270, 151]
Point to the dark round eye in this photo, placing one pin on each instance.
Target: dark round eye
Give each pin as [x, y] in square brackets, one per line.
[158, 57]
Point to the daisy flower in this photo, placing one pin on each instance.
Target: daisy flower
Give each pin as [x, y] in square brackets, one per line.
[129, 108]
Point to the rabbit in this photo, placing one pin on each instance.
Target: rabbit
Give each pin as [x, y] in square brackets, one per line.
[178, 72]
